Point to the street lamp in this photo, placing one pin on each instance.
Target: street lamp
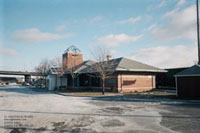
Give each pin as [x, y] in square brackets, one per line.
[197, 5]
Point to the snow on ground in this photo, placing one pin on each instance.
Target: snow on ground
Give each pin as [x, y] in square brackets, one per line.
[40, 111]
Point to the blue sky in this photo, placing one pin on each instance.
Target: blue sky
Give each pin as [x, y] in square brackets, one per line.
[161, 33]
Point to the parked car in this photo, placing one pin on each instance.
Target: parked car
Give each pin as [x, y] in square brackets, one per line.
[42, 86]
[26, 84]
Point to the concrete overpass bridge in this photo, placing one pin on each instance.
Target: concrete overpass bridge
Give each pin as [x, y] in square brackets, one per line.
[27, 75]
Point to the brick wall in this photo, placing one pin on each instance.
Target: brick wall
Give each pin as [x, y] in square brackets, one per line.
[72, 59]
[135, 82]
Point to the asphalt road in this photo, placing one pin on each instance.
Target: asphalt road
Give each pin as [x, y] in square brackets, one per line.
[24, 110]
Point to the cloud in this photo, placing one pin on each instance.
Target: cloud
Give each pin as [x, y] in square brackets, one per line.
[151, 27]
[35, 35]
[95, 19]
[181, 24]
[170, 13]
[159, 5]
[115, 40]
[162, 4]
[167, 56]
[60, 27]
[130, 20]
[180, 3]
[8, 51]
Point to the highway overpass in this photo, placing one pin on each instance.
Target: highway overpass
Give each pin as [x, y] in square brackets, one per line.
[27, 75]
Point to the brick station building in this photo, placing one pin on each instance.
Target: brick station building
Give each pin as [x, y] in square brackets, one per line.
[127, 75]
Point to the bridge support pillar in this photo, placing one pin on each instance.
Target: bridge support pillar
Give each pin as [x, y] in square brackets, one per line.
[27, 78]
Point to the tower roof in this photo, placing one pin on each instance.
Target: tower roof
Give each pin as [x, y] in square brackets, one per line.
[72, 49]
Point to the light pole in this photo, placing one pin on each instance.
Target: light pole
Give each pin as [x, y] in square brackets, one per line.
[197, 5]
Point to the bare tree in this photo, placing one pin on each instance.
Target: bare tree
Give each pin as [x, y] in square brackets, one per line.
[43, 68]
[104, 66]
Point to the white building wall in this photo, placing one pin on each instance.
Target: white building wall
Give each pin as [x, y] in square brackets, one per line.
[54, 81]
[51, 82]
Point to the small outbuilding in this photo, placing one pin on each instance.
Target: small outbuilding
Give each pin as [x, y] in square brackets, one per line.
[188, 82]
[55, 80]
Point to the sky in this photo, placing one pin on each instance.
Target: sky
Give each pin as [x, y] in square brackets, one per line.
[161, 33]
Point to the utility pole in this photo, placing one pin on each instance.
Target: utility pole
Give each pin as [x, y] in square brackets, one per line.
[197, 4]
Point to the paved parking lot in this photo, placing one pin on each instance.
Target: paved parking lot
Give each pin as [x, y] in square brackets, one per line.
[32, 110]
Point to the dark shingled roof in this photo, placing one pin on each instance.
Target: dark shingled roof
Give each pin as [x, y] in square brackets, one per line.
[118, 64]
[192, 71]
[84, 67]
[121, 64]
[55, 70]
[131, 65]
